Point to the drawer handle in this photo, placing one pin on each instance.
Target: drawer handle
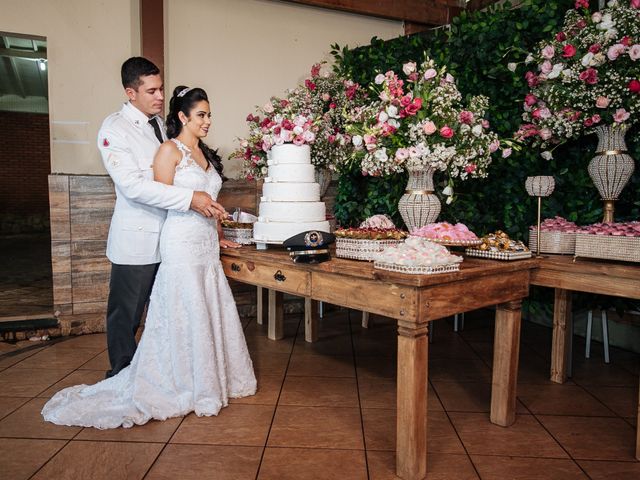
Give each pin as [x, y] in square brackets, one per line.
[235, 267]
[279, 276]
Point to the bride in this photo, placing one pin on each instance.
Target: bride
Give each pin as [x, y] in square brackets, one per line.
[192, 356]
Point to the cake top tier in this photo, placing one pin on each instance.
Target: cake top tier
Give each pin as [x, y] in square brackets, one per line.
[289, 153]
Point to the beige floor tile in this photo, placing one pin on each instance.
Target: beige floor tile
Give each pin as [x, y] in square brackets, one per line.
[500, 468]
[7, 361]
[525, 437]
[611, 470]
[319, 392]
[269, 387]
[236, 424]
[593, 438]
[381, 393]
[594, 371]
[270, 363]
[259, 345]
[27, 422]
[99, 362]
[380, 431]
[78, 377]
[376, 367]
[467, 396]
[321, 427]
[312, 464]
[440, 466]
[100, 461]
[198, 462]
[456, 370]
[17, 464]
[94, 341]
[56, 359]
[337, 344]
[152, 432]
[9, 404]
[622, 400]
[561, 400]
[321, 366]
[29, 382]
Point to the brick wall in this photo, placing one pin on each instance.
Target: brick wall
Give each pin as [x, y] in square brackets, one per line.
[24, 163]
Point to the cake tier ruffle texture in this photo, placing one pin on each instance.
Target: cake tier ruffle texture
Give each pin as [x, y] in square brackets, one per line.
[290, 202]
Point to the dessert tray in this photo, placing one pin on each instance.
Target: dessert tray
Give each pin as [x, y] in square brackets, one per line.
[417, 269]
[455, 243]
[474, 252]
[362, 249]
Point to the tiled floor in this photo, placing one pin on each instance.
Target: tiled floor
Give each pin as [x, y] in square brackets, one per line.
[327, 411]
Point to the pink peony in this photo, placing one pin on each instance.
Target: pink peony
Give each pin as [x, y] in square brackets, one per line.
[446, 132]
[602, 102]
[466, 117]
[548, 52]
[568, 51]
[621, 115]
[429, 128]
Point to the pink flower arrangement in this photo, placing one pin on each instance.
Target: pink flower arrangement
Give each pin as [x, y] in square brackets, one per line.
[417, 120]
[310, 114]
[588, 74]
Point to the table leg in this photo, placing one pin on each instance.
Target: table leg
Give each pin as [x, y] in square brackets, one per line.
[275, 329]
[506, 349]
[261, 305]
[411, 426]
[561, 343]
[311, 314]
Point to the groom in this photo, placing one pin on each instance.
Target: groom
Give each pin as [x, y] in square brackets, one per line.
[128, 141]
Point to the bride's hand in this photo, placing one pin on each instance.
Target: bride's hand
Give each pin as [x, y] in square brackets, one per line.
[224, 243]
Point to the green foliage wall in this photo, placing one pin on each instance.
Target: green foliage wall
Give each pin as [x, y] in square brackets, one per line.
[477, 49]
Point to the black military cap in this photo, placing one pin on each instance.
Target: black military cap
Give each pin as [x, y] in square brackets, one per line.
[310, 247]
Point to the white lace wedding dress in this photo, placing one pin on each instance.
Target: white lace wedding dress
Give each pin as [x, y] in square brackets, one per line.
[192, 355]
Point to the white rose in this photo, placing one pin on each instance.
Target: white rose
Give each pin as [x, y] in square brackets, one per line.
[298, 129]
[555, 71]
[464, 128]
[512, 66]
[392, 111]
[477, 130]
[381, 154]
[379, 79]
[448, 191]
[356, 140]
[383, 117]
[394, 123]
[596, 17]
[612, 3]
[409, 67]
[586, 60]
[529, 59]
[547, 155]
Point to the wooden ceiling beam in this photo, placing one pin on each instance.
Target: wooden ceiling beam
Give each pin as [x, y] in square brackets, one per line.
[426, 12]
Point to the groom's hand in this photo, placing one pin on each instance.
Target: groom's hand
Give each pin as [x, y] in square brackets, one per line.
[202, 203]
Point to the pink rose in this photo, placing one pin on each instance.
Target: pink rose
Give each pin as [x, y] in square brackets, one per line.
[530, 100]
[602, 102]
[568, 51]
[532, 79]
[446, 132]
[315, 70]
[615, 51]
[589, 76]
[298, 140]
[409, 67]
[621, 115]
[470, 168]
[429, 128]
[546, 67]
[582, 4]
[506, 153]
[466, 117]
[561, 36]
[626, 41]
[429, 74]
[548, 52]
[596, 118]
[493, 146]
[545, 133]
[332, 105]
[634, 85]
[634, 51]
[268, 108]
[310, 85]
[484, 123]
[635, 4]
[402, 154]
[405, 100]
[326, 97]
[581, 23]
[595, 48]
[588, 122]
[413, 77]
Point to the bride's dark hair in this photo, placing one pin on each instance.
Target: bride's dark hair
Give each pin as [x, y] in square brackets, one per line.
[184, 103]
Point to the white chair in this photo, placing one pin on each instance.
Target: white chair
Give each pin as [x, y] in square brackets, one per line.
[605, 335]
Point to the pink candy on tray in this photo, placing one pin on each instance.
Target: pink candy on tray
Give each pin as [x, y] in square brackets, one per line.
[557, 224]
[623, 229]
[446, 231]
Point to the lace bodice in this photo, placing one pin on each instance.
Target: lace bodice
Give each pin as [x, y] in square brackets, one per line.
[191, 175]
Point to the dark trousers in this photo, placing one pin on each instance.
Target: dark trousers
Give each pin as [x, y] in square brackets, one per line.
[129, 290]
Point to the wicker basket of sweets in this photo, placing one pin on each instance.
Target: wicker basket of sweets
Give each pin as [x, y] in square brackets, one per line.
[365, 243]
[238, 232]
[417, 256]
[614, 241]
[417, 269]
[498, 246]
[445, 233]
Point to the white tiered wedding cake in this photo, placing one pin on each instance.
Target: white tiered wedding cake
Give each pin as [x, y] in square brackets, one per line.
[290, 201]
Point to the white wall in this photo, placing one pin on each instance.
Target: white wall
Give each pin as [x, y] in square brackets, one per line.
[87, 41]
[244, 51]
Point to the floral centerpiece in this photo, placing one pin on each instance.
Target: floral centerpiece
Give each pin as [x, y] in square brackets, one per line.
[312, 113]
[418, 122]
[586, 79]
[587, 75]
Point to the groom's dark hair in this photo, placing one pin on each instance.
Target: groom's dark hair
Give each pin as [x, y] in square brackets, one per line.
[134, 68]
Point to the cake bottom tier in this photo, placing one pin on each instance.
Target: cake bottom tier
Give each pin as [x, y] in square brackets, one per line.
[280, 231]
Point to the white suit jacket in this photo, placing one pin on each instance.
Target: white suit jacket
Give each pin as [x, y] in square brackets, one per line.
[128, 144]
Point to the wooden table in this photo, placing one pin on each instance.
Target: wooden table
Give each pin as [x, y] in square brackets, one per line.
[565, 275]
[413, 300]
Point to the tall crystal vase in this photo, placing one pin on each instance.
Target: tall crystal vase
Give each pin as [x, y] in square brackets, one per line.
[612, 167]
[419, 206]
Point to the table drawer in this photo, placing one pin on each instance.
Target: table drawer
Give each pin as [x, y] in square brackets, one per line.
[288, 280]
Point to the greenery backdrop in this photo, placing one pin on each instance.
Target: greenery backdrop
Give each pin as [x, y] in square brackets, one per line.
[477, 49]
